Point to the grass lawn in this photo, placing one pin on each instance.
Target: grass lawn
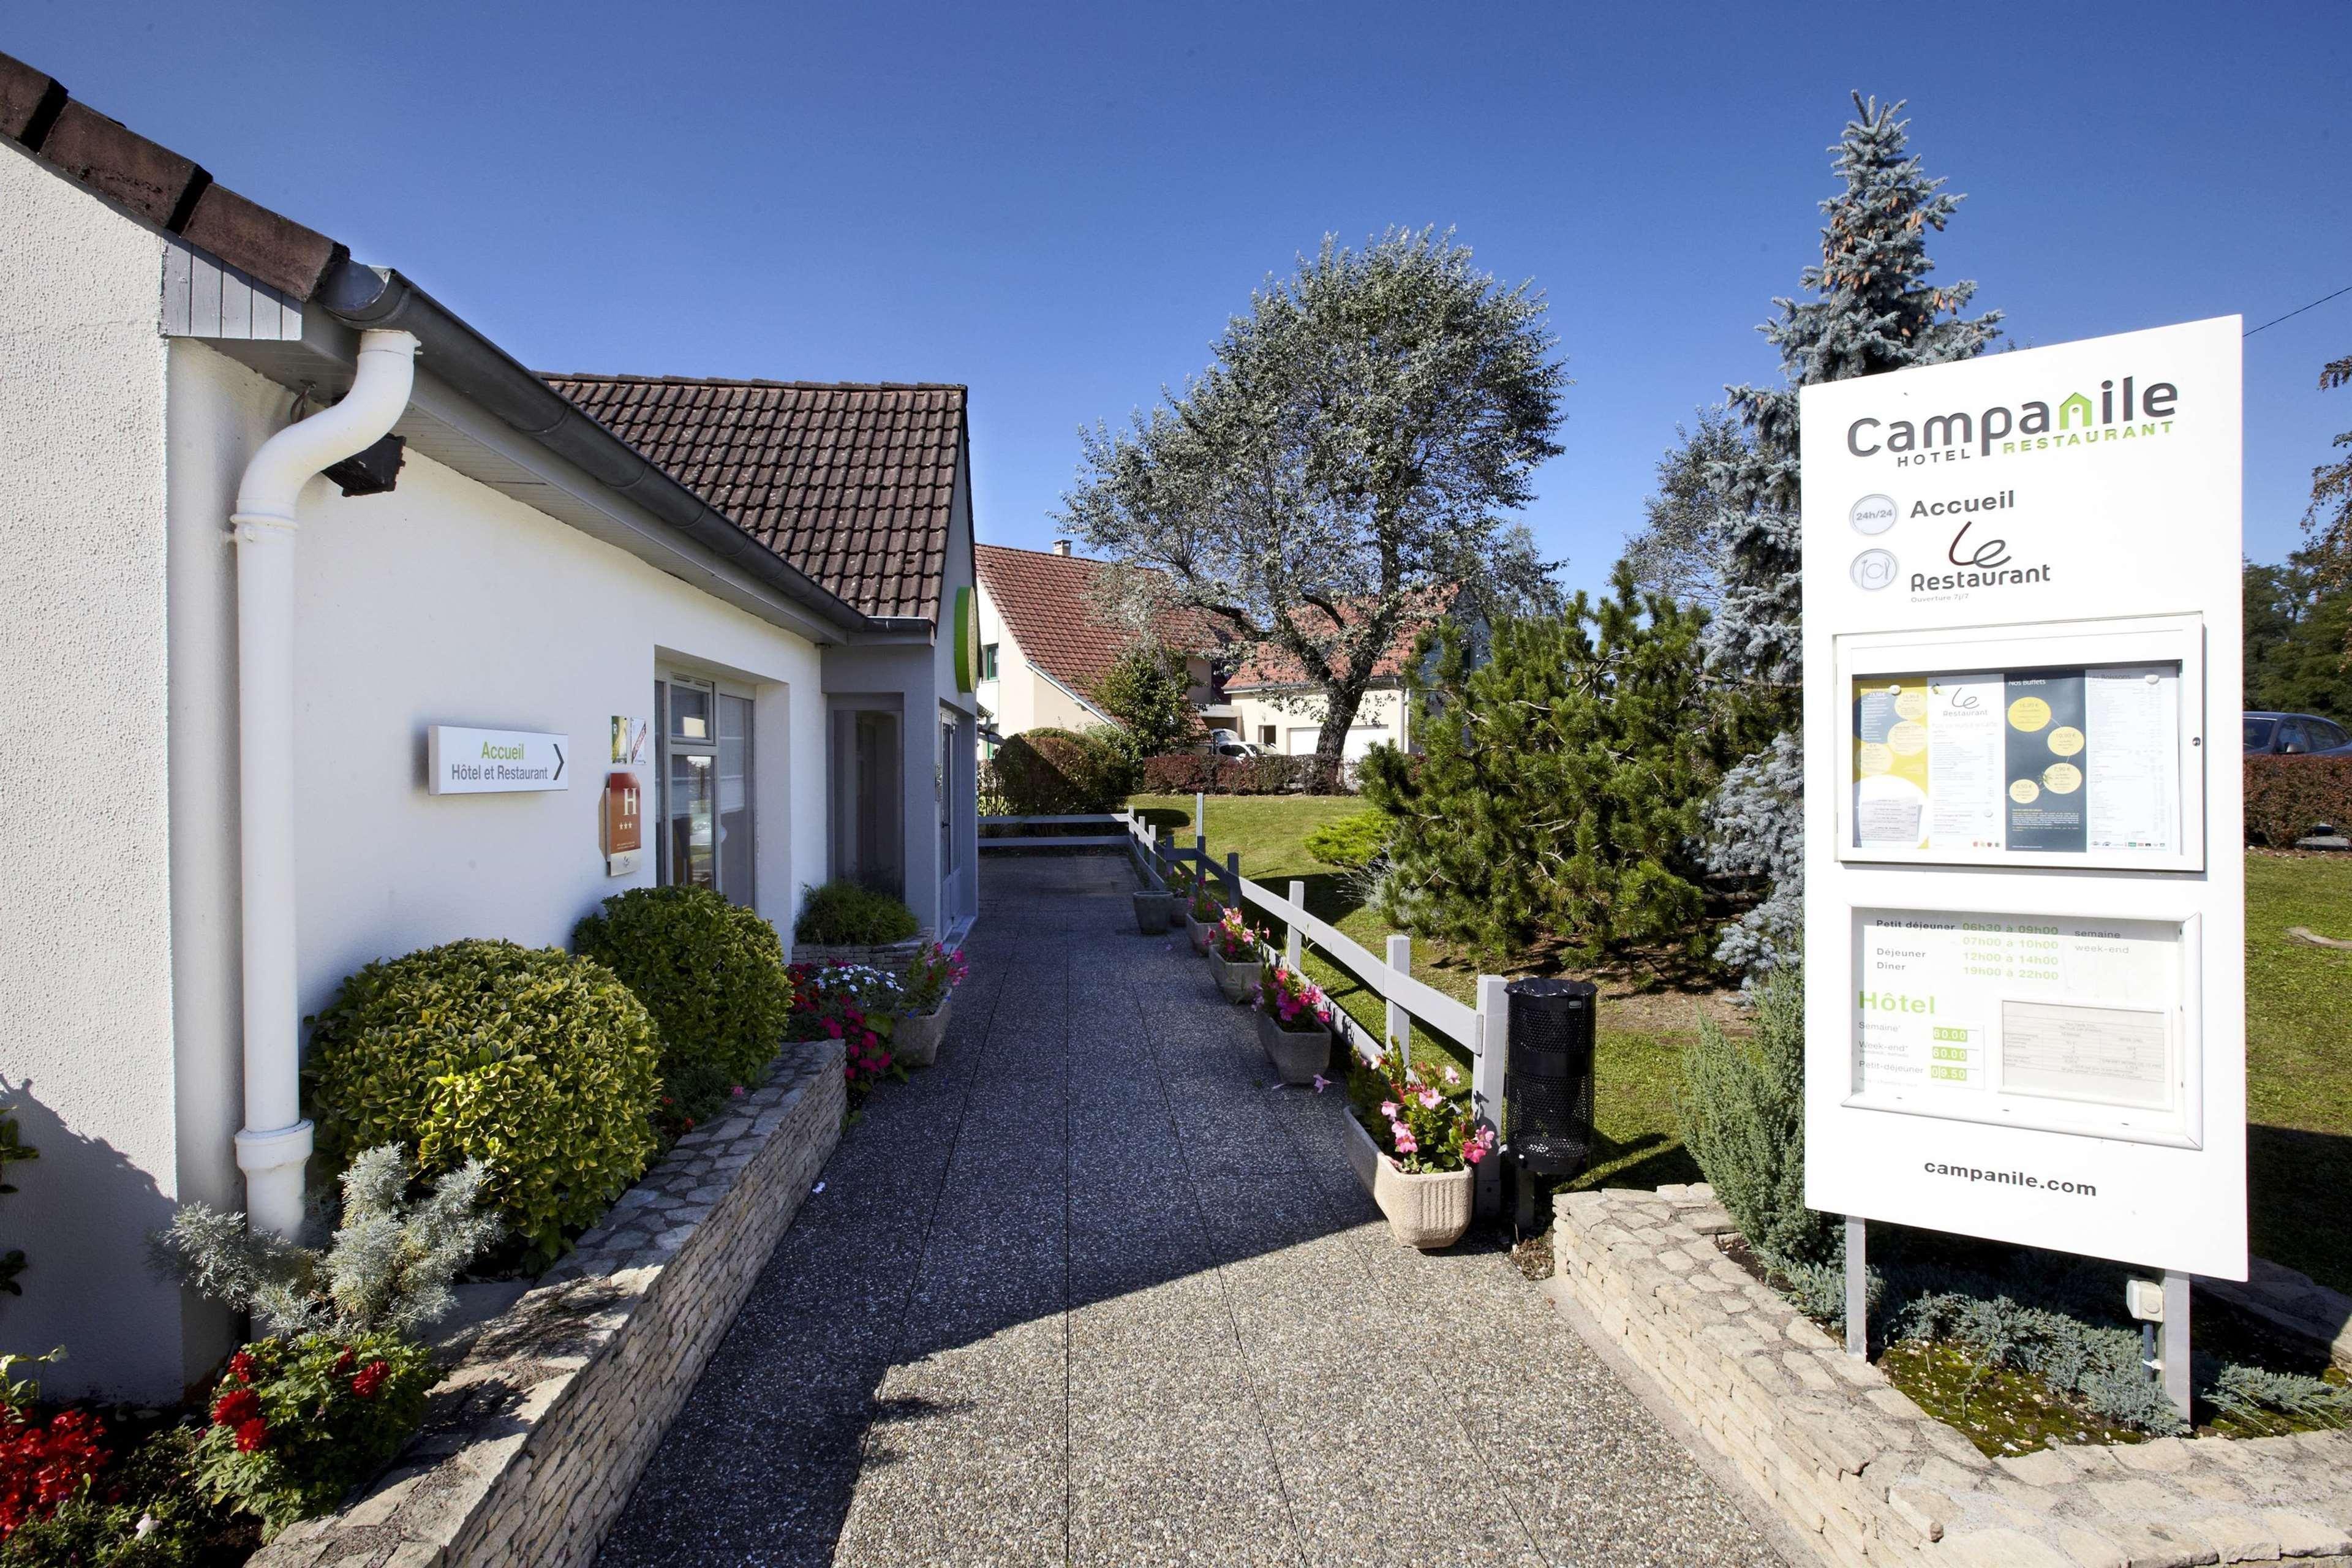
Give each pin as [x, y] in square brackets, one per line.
[2298, 1044]
[2299, 1063]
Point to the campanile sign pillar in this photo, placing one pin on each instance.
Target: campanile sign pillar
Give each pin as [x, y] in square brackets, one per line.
[2024, 868]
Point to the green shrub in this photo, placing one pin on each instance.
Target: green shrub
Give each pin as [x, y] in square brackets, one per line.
[1743, 1114]
[1053, 772]
[540, 1065]
[845, 914]
[1356, 839]
[710, 973]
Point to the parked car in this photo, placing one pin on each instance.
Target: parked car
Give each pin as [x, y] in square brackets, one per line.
[2294, 735]
[1225, 743]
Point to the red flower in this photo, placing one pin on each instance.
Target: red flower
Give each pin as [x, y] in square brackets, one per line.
[370, 1378]
[241, 1367]
[236, 1407]
[252, 1435]
[343, 1361]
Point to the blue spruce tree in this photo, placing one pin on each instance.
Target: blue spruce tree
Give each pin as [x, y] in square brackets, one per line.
[1869, 309]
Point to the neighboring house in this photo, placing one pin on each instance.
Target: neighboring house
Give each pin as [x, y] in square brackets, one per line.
[1043, 646]
[1276, 708]
[230, 679]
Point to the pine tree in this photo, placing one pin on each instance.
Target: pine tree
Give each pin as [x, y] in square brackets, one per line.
[1556, 796]
[1870, 309]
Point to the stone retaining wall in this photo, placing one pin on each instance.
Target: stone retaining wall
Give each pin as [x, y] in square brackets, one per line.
[890, 957]
[536, 1440]
[1865, 1476]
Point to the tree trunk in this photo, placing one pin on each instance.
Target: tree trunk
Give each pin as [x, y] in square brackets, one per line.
[1341, 703]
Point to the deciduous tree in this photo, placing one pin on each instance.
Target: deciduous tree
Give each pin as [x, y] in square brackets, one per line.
[1347, 461]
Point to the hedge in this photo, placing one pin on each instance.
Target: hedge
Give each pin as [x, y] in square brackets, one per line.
[2288, 798]
[710, 973]
[1189, 772]
[1054, 773]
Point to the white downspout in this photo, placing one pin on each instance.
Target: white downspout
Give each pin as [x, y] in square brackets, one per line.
[277, 1140]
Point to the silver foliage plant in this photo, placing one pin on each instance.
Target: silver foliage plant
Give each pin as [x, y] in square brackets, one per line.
[387, 1268]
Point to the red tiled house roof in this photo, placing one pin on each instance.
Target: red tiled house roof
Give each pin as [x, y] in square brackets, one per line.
[851, 483]
[1047, 600]
[1270, 667]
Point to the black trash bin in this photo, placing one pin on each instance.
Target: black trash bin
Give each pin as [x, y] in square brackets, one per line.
[1548, 1086]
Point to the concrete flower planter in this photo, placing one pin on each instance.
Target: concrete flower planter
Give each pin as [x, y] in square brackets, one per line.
[914, 1040]
[1299, 1054]
[1153, 912]
[1425, 1212]
[1235, 980]
[1197, 932]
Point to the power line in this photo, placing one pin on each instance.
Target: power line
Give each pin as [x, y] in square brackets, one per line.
[2267, 326]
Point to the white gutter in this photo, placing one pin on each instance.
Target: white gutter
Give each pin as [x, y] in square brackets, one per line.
[276, 1142]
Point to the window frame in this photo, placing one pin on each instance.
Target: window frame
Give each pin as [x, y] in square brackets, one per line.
[667, 743]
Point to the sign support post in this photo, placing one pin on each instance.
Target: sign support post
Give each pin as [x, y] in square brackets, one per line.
[1857, 1285]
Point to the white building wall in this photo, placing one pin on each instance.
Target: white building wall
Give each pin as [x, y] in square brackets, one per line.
[85, 915]
[1382, 719]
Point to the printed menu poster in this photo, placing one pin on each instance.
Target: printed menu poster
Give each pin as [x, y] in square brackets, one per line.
[2048, 762]
[1890, 763]
[2047, 1009]
[1964, 765]
[2135, 712]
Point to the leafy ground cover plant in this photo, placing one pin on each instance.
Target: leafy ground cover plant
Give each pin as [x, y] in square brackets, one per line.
[931, 978]
[1351, 841]
[1290, 999]
[711, 974]
[145, 1510]
[296, 1423]
[543, 1066]
[1420, 1127]
[856, 1006]
[844, 913]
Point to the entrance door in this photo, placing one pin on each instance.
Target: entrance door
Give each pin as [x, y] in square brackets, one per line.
[868, 800]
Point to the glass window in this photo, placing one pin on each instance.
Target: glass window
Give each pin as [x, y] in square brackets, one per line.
[2326, 736]
[2292, 738]
[1266, 735]
[735, 798]
[987, 661]
[2259, 732]
[705, 774]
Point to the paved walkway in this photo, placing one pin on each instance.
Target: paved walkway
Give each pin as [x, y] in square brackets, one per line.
[1090, 1292]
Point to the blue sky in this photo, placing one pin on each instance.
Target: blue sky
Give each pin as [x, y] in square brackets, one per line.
[1060, 206]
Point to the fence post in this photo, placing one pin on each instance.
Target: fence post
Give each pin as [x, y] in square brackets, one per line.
[1233, 882]
[1200, 816]
[1400, 1022]
[1291, 940]
[1487, 1068]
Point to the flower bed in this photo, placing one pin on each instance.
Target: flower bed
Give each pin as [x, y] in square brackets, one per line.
[1862, 1474]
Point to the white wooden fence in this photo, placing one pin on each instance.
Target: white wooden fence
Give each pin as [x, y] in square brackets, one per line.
[1483, 1031]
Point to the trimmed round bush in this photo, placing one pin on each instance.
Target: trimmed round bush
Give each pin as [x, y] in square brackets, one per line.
[1054, 773]
[845, 914]
[710, 973]
[543, 1066]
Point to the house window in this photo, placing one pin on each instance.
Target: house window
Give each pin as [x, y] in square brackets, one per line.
[704, 767]
[987, 661]
[1266, 735]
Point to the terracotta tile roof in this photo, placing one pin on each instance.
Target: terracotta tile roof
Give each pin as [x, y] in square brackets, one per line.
[1045, 598]
[1272, 667]
[171, 192]
[850, 482]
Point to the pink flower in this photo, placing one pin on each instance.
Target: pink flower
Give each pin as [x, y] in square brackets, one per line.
[1404, 1140]
[1473, 1153]
[1429, 1098]
[1388, 1108]
[1452, 1076]
[833, 1028]
[1321, 1083]
[737, 1092]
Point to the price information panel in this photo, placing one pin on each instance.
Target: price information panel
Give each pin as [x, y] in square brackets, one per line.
[2033, 1020]
[2053, 761]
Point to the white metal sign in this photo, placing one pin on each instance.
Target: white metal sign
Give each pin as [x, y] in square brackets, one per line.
[2024, 920]
[495, 762]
